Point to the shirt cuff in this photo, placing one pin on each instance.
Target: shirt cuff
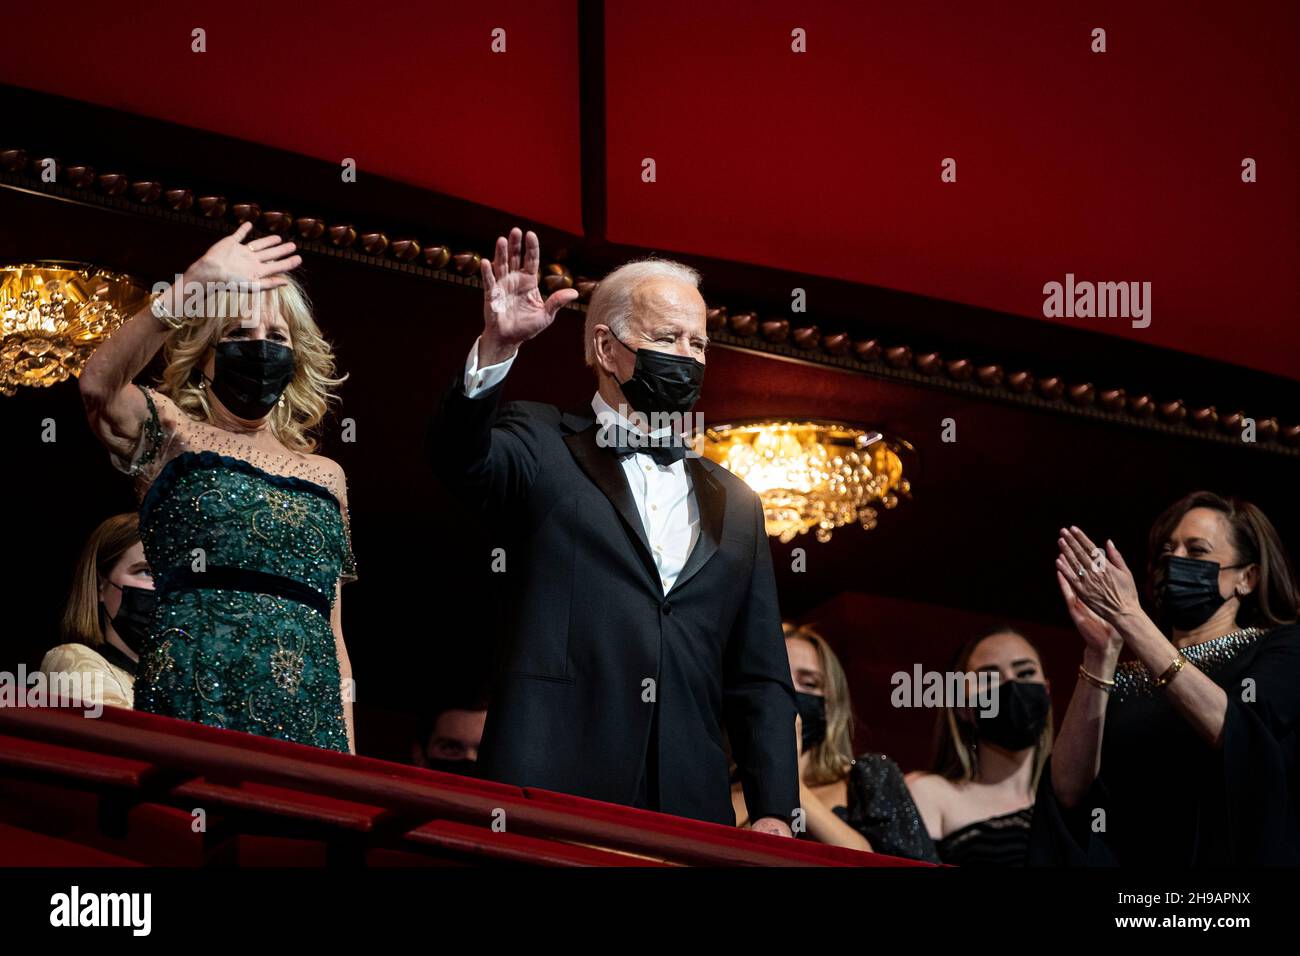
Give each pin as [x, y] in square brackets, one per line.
[479, 380]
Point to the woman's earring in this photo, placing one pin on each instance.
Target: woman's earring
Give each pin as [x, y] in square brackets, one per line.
[282, 401]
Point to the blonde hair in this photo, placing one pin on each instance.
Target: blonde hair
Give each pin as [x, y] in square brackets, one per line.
[829, 760]
[611, 303]
[308, 396]
[82, 622]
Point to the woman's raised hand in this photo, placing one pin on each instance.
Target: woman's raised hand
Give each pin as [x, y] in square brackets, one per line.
[513, 308]
[1100, 580]
[260, 263]
[1095, 632]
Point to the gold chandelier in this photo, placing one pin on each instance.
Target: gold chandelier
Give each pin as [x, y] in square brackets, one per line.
[53, 315]
[812, 475]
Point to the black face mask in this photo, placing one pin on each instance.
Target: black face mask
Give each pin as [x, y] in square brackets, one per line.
[812, 712]
[134, 615]
[662, 382]
[251, 375]
[1187, 591]
[1022, 712]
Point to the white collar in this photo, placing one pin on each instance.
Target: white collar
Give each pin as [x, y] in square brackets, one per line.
[606, 414]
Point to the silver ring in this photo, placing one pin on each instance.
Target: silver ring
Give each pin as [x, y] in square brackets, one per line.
[1082, 572]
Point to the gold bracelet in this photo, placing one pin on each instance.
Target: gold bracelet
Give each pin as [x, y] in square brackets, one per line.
[1095, 681]
[1171, 671]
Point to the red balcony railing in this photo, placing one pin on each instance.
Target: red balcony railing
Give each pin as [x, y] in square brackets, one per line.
[127, 788]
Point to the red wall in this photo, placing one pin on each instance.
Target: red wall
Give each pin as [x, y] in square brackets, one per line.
[1122, 166]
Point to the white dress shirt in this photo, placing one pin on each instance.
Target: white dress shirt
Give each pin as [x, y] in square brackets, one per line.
[664, 497]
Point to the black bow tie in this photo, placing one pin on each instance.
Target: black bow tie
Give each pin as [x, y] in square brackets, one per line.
[621, 441]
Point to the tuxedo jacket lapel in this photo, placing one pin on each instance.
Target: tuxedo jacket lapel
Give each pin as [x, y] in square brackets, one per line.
[711, 499]
[603, 468]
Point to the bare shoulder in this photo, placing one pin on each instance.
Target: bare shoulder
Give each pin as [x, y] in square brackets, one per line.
[932, 795]
[928, 785]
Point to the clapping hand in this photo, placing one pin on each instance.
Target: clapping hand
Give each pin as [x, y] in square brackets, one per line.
[1095, 632]
[1099, 581]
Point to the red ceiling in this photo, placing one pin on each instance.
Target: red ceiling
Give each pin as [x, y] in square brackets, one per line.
[410, 90]
[1122, 166]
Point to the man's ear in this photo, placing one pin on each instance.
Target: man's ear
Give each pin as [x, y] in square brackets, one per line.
[602, 345]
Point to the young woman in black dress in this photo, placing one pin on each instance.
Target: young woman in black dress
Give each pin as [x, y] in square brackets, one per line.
[978, 798]
[861, 802]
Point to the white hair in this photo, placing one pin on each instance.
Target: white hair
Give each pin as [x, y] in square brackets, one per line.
[611, 304]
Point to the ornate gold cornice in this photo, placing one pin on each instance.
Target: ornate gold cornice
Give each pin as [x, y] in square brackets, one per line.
[889, 359]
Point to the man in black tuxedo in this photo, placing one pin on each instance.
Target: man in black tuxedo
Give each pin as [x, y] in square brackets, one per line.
[640, 603]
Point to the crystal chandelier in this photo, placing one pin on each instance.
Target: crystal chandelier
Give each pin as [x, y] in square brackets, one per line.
[53, 315]
[811, 474]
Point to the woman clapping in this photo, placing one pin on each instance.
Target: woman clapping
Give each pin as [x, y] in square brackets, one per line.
[1187, 754]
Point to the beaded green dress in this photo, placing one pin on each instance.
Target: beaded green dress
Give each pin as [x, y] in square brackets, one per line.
[247, 553]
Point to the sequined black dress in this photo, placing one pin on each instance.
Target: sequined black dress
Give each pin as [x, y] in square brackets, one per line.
[246, 562]
[1165, 797]
[880, 807]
